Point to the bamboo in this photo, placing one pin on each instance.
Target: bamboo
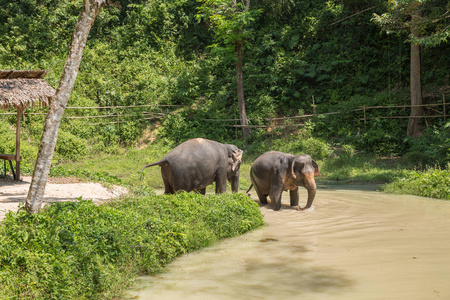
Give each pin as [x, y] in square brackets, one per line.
[17, 158]
[445, 117]
[407, 117]
[364, 115]
[265, 126]
[314, 106]
[129, 106]
[405, 106]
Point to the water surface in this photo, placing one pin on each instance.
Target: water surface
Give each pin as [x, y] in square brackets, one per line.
[353, 244]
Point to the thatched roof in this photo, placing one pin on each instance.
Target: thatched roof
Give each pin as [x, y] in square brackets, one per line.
[24, 88]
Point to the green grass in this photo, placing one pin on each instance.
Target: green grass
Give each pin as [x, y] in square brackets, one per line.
[125, 165]
[124, 168]
[348, 168]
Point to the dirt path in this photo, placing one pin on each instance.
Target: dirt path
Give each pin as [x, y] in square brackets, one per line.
[14, 192]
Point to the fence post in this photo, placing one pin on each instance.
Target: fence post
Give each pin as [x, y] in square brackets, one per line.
[314, 106]
[235, 127]
[445, 114]
[364, 108]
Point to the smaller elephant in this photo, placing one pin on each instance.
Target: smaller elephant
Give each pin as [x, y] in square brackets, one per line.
[275, 172]
[197, 163]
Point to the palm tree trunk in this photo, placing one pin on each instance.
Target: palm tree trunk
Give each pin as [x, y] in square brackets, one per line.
[86, 19]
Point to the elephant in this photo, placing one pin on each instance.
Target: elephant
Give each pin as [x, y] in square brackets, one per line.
[197, 163]
[274, 172]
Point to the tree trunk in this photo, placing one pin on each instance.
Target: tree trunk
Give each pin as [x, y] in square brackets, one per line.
[240, 91]
[415, 81]
[240, 83]
[85, 21]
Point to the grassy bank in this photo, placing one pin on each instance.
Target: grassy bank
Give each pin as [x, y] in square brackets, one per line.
[433, 183]
[85, 251]
[393, 174]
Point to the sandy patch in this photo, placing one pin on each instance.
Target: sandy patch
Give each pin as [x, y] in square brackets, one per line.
[57, 190]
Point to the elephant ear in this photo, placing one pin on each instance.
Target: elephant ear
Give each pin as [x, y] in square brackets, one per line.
[316, 168]
[236, 157]
[292, 164]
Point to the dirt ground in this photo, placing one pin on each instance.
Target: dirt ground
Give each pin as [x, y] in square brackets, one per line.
[61, 189]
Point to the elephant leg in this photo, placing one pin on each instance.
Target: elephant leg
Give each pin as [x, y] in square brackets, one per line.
[168, 189]
[262, 197]
[294, 197]
[275, 197]
[234, 181]
[202, 191]
[221, 183]
[166, 174]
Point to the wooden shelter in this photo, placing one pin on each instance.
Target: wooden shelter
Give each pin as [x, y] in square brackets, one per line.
[22, 89]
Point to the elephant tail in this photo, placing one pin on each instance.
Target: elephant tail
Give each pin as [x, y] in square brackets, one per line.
[158, 163]
[249, 190]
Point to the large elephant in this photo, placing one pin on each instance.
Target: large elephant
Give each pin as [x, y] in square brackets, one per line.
[197, 163]
[275, 172]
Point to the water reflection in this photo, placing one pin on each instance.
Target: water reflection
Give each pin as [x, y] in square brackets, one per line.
[353, 245]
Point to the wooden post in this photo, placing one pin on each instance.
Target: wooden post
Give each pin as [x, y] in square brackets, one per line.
[445, 115]
[235, 125]
[20, 110]
[364, 107]
[314, 106]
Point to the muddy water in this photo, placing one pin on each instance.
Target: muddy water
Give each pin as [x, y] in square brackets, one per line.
[352, 245]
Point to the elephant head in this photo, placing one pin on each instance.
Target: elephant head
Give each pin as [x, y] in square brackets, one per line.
[303, 169]
[234, 163]
[236, 159]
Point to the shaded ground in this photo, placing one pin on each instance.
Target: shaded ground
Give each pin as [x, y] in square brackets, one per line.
[61, 189]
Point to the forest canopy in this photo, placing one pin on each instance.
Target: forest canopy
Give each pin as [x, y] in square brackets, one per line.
[299, 57]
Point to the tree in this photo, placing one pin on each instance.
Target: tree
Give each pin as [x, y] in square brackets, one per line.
[231, 20]
[429, 29]
[85, 21]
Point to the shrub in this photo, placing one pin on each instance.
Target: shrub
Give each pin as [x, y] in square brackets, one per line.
[79, 250]
[433, 183]
[430, 149]
[70, 146]
[314, 147]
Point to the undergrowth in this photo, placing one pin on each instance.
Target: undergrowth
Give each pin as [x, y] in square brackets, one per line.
[79, 250]
[433, 183]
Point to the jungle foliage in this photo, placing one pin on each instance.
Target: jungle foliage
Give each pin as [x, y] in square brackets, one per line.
[299, 56]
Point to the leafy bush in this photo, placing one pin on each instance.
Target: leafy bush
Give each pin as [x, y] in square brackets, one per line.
[431, 148]
[79, 250]
[193, 124]
[433, 183]
[70, 146]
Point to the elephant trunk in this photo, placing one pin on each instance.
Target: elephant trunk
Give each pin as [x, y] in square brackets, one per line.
[310, 185]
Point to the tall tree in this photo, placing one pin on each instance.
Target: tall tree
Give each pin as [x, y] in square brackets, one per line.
[231, 20]
[85, 21]
[425, 29]
[413, 129]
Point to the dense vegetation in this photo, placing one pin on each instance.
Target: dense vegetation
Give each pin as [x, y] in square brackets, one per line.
[300, 57]
[79, 250]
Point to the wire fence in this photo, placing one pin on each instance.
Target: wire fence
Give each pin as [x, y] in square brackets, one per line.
[123, 114]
